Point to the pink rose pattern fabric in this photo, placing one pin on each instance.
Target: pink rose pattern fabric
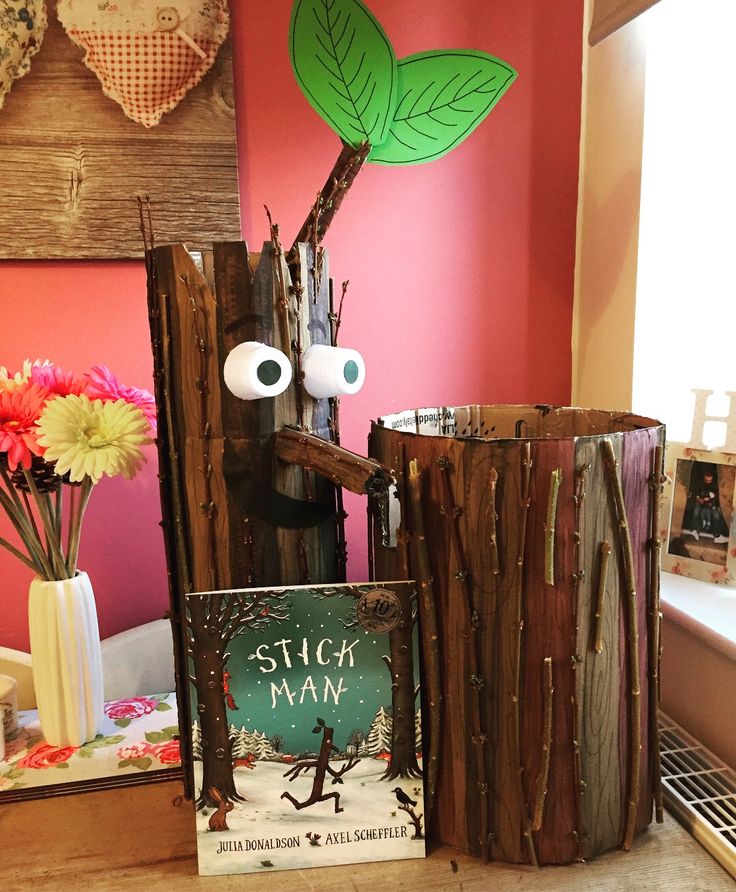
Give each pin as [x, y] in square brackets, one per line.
[132, 708]
[22, 26]
[43, 755]
[141, 735]
[147, 57]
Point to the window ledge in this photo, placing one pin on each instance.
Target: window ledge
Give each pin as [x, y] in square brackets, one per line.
[705, 610]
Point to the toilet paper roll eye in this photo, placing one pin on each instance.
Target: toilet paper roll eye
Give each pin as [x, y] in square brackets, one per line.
[253, 370]
[332, 371]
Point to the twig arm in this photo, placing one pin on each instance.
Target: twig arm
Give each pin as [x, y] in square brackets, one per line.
[360, 475]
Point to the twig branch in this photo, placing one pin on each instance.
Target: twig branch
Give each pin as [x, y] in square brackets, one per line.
[655, 618]
[550, 526]
[474, 625]
[627, 555]
[526, 468]
[277, 253]
[543, 777]
[359, 475]
[330, 197]
[493, 520]
[581, 476]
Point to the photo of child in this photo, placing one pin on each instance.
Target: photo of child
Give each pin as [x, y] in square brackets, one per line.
[702, 509]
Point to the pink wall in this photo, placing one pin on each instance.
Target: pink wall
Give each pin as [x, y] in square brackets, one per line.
[461, 270]
[79, 315]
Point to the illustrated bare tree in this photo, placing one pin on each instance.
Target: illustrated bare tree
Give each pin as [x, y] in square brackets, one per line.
[214, 621]
[404, 691]
[400, 663]
[322, 768]
[416, 820]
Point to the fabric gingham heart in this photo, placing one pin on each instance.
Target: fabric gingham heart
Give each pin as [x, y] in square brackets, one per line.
[22, 26]
[147, 57]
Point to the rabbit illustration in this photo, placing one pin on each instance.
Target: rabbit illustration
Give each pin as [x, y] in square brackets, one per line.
[217, 819]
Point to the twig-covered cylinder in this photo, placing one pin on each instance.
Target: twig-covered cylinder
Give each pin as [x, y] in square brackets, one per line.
[538, 524]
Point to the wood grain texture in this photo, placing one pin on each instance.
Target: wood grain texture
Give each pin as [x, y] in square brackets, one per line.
[149, 843]
[244, 314]
[71, 163]
[637, 462]
[589, 758]
[598, 683]
[192, 313]
[347, 469]
[304, 555]
[549, 632]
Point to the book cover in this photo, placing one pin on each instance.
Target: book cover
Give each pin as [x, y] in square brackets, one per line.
[307, 730]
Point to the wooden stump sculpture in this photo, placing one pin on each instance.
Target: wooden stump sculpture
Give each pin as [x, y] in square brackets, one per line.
[532, 533]
[250, 489]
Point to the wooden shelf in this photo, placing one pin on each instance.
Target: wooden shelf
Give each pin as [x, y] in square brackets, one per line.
[143, 838]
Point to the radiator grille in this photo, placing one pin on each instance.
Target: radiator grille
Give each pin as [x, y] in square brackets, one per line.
[700, 791]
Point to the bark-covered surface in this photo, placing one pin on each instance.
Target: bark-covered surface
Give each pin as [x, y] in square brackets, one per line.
[590, 759]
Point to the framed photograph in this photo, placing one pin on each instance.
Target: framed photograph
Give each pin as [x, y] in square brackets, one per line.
[699, 521]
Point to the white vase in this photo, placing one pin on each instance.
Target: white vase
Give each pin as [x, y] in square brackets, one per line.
[66, 660]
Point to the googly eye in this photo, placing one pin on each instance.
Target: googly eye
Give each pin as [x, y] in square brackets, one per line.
[253, 370]
[332, 371]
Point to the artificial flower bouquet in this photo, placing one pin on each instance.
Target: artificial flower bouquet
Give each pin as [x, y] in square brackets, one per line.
[59, 434]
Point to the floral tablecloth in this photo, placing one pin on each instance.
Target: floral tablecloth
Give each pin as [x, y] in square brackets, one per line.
[139, 734]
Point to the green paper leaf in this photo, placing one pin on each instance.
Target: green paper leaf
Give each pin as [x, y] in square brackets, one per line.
[171, 731]
[61, 765]
[111, 741]
[85, 753]
[345, 66]
[122, 723]
[13, 773]
[443, 96]
[155, 736]
[163, 707]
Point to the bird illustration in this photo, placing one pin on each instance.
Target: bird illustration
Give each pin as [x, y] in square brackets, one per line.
[402, 797]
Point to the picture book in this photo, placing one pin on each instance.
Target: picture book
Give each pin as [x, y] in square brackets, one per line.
[306, 731]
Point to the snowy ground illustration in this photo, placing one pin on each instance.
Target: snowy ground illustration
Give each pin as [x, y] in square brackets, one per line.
[267, 833]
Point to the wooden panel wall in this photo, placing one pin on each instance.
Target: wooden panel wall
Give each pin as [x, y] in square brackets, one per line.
[71, 163]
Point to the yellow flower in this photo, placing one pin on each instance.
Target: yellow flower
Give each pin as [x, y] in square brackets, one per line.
[9, 381]
[89, 438]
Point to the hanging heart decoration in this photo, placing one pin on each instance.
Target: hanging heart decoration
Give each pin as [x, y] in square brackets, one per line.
[147, 57]
[22, 26]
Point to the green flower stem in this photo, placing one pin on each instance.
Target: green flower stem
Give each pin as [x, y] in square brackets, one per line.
[76, 527]
[22, 526]
[54, 547]
[21, 557]
[51, 511]
[70, 526]
[32, 518]
[11, 489]
[59, 514]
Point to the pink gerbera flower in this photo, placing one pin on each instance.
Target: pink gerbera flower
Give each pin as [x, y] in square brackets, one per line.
[19, 412]
[57, 381]
[101, 384]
